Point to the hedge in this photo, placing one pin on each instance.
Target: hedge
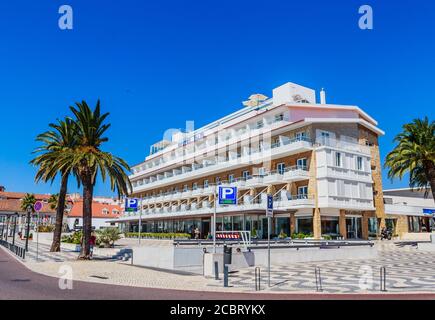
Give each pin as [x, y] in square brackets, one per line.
[151, 235]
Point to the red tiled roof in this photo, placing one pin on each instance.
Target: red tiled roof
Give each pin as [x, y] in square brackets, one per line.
[21, 195]
[14, 205]
[97, 210]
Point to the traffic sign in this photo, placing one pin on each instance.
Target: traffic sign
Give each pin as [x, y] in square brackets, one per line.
[38, 206]
[269, 211]
[227, 195]
[131, 204]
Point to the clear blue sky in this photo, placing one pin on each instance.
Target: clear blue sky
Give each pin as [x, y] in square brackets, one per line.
[156, 64]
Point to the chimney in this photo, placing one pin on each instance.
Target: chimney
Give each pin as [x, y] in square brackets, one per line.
[322, 97]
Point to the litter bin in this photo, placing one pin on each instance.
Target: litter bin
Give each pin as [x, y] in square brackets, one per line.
[228, 251]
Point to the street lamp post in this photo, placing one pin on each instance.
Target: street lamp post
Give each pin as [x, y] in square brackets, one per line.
[15, 227]
[7, 228]
[29, 210]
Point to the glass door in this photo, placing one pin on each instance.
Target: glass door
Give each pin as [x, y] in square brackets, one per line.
[353, 228]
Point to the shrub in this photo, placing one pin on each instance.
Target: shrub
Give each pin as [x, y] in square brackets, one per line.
[47, 228]
[282, 235]
[301, 235]
[75, 238]
[153, 235]
[107, 237]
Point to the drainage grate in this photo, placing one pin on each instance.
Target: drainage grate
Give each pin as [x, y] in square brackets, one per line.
[20, 280]
[99, 277]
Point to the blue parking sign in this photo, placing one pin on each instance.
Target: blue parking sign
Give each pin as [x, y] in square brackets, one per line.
[131, 204]
[269, 205]
[227, 195]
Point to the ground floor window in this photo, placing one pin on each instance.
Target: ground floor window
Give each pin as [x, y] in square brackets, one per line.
[373, 227]
[414, 224]
[282, 227]
[304, 225]
[391, 224]
[330, 226]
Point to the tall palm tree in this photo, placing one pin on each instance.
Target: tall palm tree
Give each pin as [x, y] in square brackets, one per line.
[28, 200]
[414, 154]
[53, 201]
[55, 143]
[88, 160]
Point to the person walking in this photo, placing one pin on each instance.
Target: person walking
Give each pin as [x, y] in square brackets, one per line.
[92, 242]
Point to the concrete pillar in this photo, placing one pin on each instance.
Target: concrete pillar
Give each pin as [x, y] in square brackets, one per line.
[342, 224]
[317, 226]
[270, 189]
[292, 223]
[365, 225]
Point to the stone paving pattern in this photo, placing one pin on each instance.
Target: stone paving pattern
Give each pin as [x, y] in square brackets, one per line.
[407, 270]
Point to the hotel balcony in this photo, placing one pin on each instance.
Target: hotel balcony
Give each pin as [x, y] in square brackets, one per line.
[284, 148]
[291, 174]
[283, 202]
[208, 146]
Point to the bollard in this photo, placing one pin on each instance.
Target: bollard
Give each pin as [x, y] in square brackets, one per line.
[257, 279]
[318, 279]
[383, 279]
[216, 270]
[225, 276]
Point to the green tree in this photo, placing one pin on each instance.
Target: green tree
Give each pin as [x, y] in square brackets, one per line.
[88, 160]
[51, 162]
[414, 154]
[28, 200]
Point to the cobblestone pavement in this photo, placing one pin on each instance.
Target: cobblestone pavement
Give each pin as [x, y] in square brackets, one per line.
[407, 270]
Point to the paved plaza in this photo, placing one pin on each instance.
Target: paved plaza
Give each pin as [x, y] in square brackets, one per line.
[407, 270]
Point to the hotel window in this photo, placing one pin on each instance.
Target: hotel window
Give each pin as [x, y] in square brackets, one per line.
[245, 174]
[279, 117]
[114, 211]
[362, 191]
[338, 159]
[340, 188]
[105, 211]
[185, 188]
[218, 181]
[175, 189]
[303, 192]
[359, 164]
[205, 183]
[230, 178]
[301, 135]
[302, 163]
[261, 171]
[280, 168]
[324, 138]
[276, 142]
[195, 186]
[260, 124]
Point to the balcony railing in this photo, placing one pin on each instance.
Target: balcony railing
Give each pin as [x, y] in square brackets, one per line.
[246, 157]
[283, 202]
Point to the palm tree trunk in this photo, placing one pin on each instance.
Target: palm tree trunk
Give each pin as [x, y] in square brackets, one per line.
[88, 190]
[429, 168]
[55, 246]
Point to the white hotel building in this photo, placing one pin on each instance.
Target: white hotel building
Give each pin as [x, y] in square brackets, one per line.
[320, 162]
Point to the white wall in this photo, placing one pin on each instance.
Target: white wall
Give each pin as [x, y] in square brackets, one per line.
[344, 186]
[96, 222]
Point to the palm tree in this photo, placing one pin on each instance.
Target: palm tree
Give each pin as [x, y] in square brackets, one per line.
[415, 154]
[87, 160]
[54, 144]
[53, 201]
[28, 200]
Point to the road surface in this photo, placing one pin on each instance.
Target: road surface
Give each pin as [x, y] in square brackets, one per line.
[18, 282]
